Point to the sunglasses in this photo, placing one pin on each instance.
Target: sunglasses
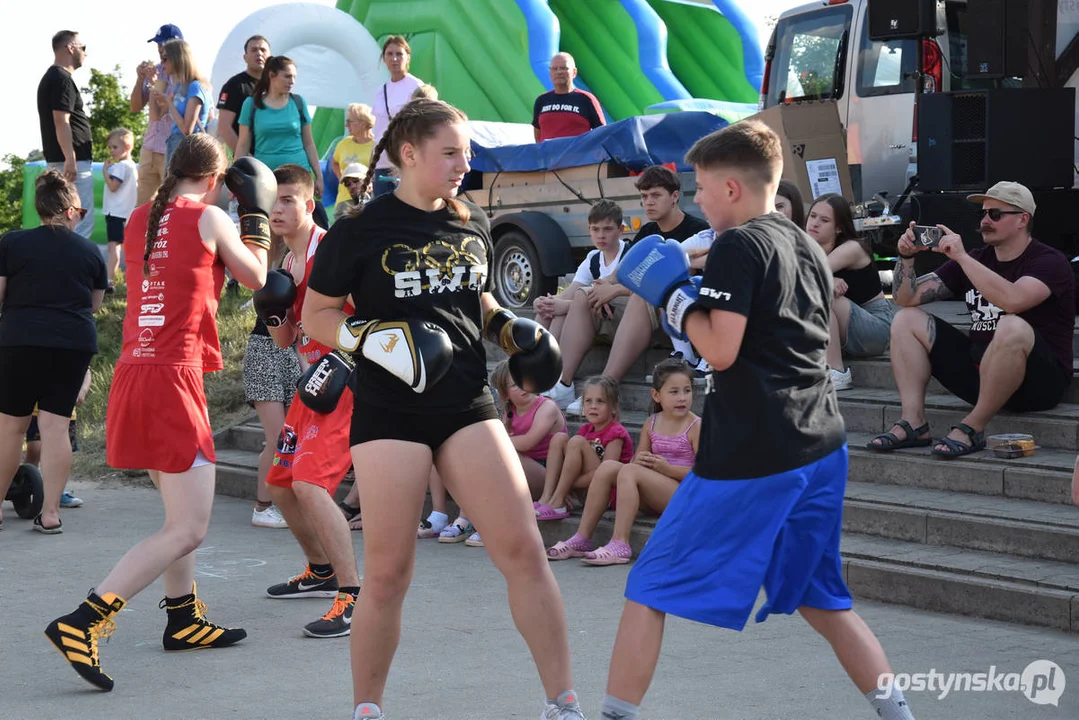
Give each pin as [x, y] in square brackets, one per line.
[82, 212]
[995, 214]
[79, 47]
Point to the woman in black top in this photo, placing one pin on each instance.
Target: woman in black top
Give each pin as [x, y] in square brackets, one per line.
[52, 281]
[861, 316]
[419, 254]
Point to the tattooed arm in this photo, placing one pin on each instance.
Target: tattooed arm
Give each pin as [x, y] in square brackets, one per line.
[910, 290]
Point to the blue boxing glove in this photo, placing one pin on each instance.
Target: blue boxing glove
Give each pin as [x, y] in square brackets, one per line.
[658, 270]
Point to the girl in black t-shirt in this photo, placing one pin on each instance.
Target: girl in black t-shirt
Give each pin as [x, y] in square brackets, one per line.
[419, 254]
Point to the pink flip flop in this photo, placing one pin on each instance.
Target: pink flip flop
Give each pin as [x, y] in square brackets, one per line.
[613, 553]
[546, 512]
[575, 547]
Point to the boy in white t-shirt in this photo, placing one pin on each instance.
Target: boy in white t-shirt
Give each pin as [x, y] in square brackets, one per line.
[121, 190]
[593, 304]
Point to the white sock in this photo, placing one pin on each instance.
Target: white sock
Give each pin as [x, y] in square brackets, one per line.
[686, 349]
[894, 707]
[438, 520]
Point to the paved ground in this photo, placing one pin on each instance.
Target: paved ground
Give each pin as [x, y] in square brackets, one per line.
[460, 656]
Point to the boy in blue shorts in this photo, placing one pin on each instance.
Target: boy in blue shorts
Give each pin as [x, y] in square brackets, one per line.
[764, 503]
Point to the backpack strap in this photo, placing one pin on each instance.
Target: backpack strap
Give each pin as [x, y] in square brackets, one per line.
[593, 264]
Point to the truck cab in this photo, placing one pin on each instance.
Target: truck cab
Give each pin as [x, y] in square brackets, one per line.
[822, 51]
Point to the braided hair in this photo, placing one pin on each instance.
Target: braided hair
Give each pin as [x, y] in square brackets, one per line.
[198, 156]
[415, 122]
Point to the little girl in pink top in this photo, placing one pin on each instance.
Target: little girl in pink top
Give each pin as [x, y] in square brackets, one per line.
[665, 454]
[532, 420]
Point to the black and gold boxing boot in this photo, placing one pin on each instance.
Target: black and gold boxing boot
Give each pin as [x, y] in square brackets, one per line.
[188, 628]
[76, 636]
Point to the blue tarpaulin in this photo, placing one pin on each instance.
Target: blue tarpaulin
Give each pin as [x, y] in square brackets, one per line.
[635, 143]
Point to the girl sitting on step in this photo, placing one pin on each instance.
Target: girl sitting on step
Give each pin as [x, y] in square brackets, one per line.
[665, 454]
[572, 462]
[532, 421]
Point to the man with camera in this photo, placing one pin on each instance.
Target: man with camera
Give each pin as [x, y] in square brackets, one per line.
[1021, 297]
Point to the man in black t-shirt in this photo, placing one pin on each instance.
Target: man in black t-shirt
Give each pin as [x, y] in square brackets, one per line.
[238, 88]
[764, 503]
[1018, 354]
[65, 127]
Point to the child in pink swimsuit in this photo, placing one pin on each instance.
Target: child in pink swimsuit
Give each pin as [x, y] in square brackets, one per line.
[665, 454]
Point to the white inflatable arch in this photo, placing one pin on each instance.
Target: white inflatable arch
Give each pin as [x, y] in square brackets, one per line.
[337, 60]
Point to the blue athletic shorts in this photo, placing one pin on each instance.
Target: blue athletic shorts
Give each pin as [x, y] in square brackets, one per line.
[719, 541]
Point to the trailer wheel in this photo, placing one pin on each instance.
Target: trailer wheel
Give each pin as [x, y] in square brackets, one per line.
[519, 279]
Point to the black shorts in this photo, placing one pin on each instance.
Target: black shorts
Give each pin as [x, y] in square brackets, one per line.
[114, 228]
[430, 429]
[47, 377]
[33, 433]
[955, 360]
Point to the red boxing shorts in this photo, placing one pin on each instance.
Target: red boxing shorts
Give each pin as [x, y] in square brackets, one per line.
[313, 447]
[157, 418]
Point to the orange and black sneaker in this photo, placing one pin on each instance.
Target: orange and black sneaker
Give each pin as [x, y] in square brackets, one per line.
[188, 628]
[305, 585]
[76, 636]
[337, 622]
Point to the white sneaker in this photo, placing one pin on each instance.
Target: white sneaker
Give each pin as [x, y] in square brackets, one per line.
[574, 408]
[271, 517]
[842, 380]
[562, 395]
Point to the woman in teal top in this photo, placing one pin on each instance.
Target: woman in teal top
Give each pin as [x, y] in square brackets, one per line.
[274, 124]
[189, 105]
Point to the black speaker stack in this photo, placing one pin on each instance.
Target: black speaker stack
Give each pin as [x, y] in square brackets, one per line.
[998, 34]
[969, 140]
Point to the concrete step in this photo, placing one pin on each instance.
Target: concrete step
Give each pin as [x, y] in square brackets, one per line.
[245, 436]
[966, 582]
[1044, 477]
[1024, 528]
[874, 410]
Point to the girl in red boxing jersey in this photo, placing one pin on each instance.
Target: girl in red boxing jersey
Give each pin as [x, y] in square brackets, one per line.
[157, 417]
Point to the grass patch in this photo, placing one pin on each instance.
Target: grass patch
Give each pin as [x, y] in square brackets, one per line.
[224, 389]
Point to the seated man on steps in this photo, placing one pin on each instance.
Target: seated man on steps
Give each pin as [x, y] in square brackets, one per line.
[635, 323]
[1018, 357]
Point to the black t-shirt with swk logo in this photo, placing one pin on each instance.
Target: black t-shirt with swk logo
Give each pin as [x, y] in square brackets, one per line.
[400, 262]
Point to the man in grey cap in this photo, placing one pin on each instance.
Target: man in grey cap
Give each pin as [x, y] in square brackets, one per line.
[1018, 356]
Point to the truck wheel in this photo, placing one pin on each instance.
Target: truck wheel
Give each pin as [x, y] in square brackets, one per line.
[519, 278]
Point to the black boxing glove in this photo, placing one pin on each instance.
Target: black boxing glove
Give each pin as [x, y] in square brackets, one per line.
[255, 188]
[535, 358]
[320, 388]
[273, 300]
[417, 353]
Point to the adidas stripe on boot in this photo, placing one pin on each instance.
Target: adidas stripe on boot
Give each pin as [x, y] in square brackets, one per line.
[76, 636]
[188, 628]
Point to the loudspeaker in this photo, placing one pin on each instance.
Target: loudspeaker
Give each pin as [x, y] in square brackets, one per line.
[997, 38]
[972, 139]
[889, 19]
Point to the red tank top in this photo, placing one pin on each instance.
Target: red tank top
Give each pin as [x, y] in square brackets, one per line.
[309, 348]
[171, 312]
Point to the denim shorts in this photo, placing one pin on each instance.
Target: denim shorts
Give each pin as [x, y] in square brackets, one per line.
[869, 329]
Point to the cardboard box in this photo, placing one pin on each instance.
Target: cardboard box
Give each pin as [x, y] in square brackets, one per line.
[814, 147]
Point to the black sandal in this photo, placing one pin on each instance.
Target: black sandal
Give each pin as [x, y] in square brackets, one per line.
[890, 441]
[40, 527]
[958, 448]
